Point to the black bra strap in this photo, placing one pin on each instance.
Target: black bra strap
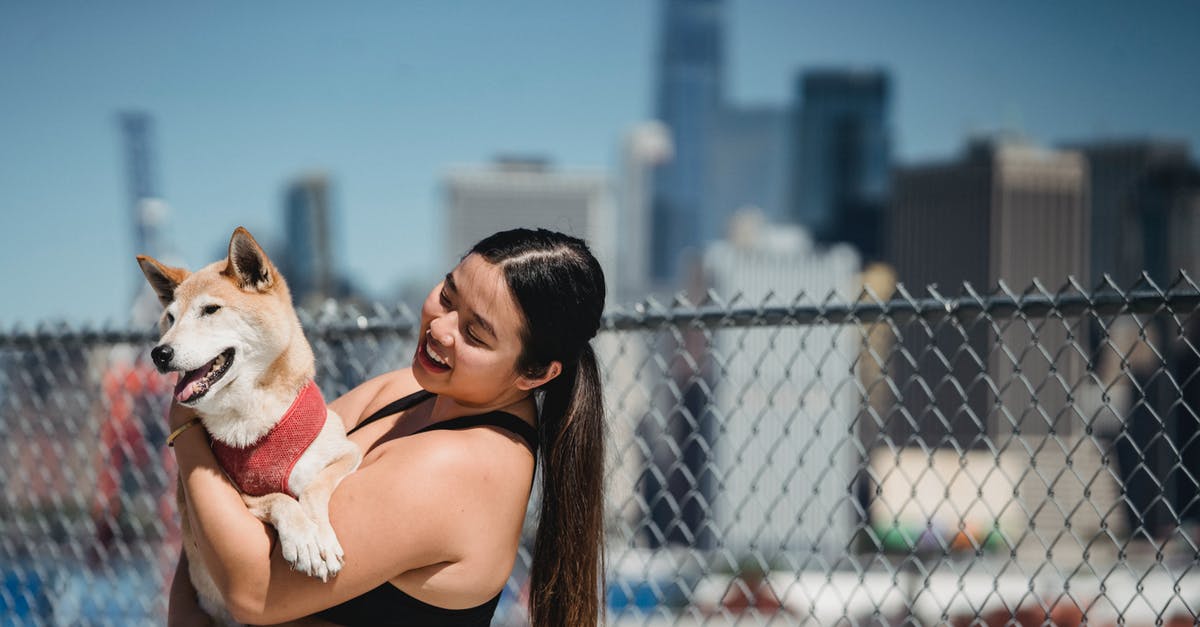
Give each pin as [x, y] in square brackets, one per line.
[501, 419]
[394, 407]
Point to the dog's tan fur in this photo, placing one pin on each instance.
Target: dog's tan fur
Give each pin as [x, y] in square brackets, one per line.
[272, 362]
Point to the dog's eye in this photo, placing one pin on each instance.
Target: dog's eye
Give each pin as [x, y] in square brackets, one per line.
[209, 310]
[170, 319]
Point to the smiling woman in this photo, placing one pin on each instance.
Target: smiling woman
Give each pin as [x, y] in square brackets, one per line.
[460, 342]
[430, 522]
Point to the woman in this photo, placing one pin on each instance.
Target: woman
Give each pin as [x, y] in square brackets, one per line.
[431, 521]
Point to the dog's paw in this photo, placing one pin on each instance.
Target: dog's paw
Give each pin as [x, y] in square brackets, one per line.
[331, 549]
[309, 550]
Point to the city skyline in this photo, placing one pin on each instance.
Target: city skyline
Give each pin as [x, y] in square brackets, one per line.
[388, 98]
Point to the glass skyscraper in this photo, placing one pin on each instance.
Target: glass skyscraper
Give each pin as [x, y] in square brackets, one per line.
[841, 156]
[688, 102]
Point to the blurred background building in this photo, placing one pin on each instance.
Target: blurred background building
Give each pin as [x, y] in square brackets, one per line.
[841, 157]
[749, 161]
[527, 192]
[148, 212]
[777, 399]
[1004, 211]
[1120, 173]
[307, 224]
[644, 148]
[820, 162]
[688, 100]
[311, 248]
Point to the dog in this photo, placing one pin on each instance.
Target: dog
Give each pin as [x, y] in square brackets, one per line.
[245, 367]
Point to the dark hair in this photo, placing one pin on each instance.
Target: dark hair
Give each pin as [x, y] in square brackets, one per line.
[559, 287]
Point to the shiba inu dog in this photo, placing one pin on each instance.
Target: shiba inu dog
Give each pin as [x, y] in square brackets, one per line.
[245, 367]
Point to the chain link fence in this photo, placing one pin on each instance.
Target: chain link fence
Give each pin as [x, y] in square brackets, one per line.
[1012, 458]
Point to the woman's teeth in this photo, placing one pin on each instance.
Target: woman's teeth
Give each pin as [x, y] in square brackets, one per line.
[437, 360]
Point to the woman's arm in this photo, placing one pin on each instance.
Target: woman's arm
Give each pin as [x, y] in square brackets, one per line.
[366, 510]
[183, 606]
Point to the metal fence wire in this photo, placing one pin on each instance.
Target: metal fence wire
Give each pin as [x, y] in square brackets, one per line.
[1024, 458]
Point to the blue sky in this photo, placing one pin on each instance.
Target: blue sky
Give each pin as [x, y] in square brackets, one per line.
[386, 95]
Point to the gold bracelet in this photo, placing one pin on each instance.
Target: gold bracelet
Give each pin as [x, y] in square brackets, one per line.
[181, 428]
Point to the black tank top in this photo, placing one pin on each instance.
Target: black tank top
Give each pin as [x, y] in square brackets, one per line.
[389, 605]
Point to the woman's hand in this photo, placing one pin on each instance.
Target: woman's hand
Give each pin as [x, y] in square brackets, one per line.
[177, 415]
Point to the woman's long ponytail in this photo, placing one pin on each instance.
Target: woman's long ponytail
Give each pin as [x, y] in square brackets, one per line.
[559, 286]
[567, 578]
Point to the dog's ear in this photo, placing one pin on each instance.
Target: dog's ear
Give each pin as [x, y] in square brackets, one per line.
[164, 279]
[248, 265]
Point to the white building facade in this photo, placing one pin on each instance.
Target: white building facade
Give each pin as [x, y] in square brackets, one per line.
[785, 396]
[510, 193]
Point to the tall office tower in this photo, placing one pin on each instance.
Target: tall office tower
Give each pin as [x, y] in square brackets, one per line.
[147, 211]
[645, 147]
[1120, 178]
[512, 192]
[137, 130]
[1006, 211]
[781, 410]
[841, 156]
[309, 224]
[1166, 225]
[1012, 212]
[1159, 452]
[748, 164]
[688, 102]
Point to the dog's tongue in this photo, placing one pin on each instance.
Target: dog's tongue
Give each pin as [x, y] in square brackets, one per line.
[184, 389]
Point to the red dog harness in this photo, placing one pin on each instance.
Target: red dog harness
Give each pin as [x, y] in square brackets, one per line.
[263, 467]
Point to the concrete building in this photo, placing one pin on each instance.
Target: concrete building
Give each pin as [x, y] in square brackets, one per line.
[781, 418]
[1005, 211]
[519, 192]
[1017, 387]
[643, 148]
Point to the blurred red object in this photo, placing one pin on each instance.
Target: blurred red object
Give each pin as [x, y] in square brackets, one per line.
[751, 593]
[123, 441]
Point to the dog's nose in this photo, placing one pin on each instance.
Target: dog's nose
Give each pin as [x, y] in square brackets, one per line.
[162, 356]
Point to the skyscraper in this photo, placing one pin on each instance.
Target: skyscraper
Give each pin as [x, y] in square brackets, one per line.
[1006, 211]
[688, 101]
[147, 210]
[1013, 212]
[308, 224]
[841, 157]
[137, 129]
[1161, 448]
[748, 164]
[1120, 188]
[1166, 226]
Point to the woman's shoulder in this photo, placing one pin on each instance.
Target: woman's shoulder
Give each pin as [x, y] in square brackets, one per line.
[394, 385]
[373, 394]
